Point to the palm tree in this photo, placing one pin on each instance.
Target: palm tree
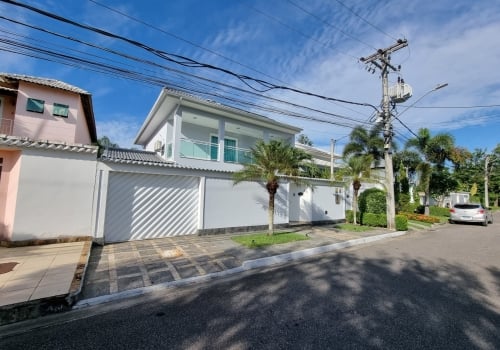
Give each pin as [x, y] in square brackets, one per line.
[434, 150]
[357, 167]
[364, 142]
[269, 161]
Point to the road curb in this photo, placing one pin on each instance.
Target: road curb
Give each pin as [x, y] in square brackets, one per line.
[246, 266]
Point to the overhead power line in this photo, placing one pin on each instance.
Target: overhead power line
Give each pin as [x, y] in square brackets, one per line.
[366, 21]
[185, 61]
[328, 24]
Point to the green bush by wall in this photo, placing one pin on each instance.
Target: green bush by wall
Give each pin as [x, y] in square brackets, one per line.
[376, 220]
[349, 216]
[401, 223]
[372, 200]
[439, 211]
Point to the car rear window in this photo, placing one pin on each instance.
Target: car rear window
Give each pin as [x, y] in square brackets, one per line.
[467, 206]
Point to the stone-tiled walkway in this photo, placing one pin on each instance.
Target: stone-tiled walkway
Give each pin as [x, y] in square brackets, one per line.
[123, 266]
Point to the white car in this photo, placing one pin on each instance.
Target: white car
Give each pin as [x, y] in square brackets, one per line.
[470, 212]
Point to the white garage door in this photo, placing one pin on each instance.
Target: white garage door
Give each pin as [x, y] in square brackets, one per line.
[141, 206]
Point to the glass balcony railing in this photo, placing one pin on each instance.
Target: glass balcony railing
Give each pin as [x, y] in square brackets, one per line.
[210, 151]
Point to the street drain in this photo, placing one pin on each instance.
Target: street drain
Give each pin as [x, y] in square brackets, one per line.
[171, 253]
[7, 267]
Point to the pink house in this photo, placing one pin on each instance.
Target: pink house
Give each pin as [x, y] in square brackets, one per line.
[47, 158]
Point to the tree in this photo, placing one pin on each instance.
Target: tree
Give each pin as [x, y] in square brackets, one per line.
[434, 150]
[106, 142]
[358, 167]
[304, 139]
[269, 161]
[364, 142]
[442, 183]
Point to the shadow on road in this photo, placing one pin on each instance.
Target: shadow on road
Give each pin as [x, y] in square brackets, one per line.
[338, 301]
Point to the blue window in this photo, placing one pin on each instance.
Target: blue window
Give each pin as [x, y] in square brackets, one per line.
[60, 110]
[35, 105]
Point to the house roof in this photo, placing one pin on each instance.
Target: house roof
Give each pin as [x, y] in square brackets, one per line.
[170, 99]
[123, 155]
[24, 142]
[139, 157]
[85, 96]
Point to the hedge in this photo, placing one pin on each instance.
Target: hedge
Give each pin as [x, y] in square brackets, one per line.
[376, 220]
[349, 216]
[372, 200]
[439, 211]
[401, 223]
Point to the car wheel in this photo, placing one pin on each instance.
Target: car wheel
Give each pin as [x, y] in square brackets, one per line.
[452, 222]
[485, 223]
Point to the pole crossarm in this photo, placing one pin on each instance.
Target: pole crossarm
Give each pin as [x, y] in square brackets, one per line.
[382, 52]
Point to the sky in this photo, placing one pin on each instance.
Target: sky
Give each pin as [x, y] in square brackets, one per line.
[240, 52]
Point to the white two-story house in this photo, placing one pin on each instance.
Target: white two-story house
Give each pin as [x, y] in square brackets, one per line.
[199, 133]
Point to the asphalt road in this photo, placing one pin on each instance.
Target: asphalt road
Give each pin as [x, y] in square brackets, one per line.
[427, 290]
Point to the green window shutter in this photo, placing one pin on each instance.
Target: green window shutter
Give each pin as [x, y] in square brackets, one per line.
[214, 147]
[60, 110]
[35, 105]
[229, 150]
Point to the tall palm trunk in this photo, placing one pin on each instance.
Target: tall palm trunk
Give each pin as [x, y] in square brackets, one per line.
[356, 185]
[272, 188]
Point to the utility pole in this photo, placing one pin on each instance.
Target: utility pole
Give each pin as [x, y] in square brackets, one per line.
[382, 60]
[332, 158]
[486, 196]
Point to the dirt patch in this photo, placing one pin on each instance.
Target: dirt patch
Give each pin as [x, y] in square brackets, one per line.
[7, 267]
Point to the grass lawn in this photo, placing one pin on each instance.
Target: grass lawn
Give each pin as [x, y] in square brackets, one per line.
[353, 228]
[420, 223]
[258, 240]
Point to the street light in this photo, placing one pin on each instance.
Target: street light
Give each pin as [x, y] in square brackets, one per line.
[438, 86]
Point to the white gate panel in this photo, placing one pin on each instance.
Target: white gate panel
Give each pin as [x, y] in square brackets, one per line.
[142, 206]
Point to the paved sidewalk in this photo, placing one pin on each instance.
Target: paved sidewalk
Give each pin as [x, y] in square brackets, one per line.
[121, 267]
[37, 279]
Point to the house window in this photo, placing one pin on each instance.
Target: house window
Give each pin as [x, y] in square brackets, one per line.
[35, 105]
[230, 154]
[60, 110]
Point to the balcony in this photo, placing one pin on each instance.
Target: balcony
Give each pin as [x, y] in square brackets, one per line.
[6, 126]
[195, 149]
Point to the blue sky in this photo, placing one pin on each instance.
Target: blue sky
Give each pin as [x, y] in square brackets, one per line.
[312, 45]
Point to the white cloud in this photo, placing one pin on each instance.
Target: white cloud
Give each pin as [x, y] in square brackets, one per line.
[120, 130]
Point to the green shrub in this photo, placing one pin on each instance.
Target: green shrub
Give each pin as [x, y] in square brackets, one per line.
[420, 209]
[404, 202]
[372, 200]
[349, 216]
[401, 223]
[376, 220]
[439, 211]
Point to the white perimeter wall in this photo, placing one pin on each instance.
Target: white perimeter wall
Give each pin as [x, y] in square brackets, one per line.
[245, 204]
[55, 194]
[317, 204]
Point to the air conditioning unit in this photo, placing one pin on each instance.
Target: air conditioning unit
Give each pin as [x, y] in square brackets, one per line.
[158, 146]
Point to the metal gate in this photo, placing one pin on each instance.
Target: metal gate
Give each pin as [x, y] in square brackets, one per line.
[142, 206]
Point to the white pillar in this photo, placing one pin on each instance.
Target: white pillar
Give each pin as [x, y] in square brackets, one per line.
[176, 146]
[221, 136]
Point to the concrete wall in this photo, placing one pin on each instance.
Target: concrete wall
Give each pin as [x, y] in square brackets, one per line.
[55, 194]
[242, 205]
[318, 203]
